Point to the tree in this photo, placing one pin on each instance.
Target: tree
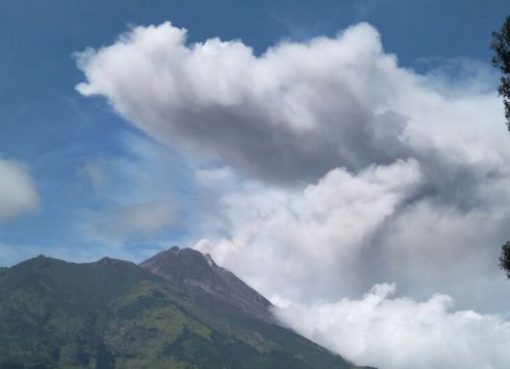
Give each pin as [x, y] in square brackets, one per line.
[501, 60]
[504, 258]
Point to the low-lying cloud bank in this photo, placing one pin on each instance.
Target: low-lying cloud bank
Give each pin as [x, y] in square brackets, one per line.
[338, 170]
[400, 333]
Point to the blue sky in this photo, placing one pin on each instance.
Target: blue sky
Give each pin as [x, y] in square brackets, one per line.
[345, 158]
[56, 132]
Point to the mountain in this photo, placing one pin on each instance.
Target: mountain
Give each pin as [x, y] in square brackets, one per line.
[179, 310]
[199, 275]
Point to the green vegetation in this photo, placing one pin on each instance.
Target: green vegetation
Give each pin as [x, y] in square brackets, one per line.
[504, 258]
[501, 60]
[114, 314]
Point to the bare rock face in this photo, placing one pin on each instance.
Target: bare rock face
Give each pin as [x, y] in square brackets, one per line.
[201, 276]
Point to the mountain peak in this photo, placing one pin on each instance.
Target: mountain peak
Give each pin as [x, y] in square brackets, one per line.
[116, 314]
[210, 260]
[201, 276]
[40, 261]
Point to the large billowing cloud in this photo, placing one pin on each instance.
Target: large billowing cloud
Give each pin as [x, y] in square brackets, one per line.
[17, 191]
[281, 239]
[290, 115]
[343, 234]
[338, 170]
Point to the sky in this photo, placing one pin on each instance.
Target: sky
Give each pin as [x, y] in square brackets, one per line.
[348, 159]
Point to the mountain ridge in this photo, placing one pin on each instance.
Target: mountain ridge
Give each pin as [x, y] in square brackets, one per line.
[114, 314]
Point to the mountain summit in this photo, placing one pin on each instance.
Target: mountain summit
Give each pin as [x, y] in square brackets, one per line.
[204, 279]
[179, 311]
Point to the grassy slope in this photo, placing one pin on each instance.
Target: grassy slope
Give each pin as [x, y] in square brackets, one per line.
[113, 314]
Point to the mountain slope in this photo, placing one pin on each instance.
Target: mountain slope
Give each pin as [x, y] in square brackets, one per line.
[115, 314]
[199, 275]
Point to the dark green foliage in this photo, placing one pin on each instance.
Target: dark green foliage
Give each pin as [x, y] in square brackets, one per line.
[501, 60]
[116, 315]
[105, 359]
[504, 258]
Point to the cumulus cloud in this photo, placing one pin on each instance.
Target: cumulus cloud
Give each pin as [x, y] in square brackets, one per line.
[335, 169]
[292, 114]
[400, 333]
[293, 235]
[17, 191]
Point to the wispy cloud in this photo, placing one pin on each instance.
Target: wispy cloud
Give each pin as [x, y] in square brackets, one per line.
[137, 196]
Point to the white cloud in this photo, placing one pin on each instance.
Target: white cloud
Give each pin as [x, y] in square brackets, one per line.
[341, 170]
[17, 191]
[325, 227]
[400, 333]
[294, 113]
